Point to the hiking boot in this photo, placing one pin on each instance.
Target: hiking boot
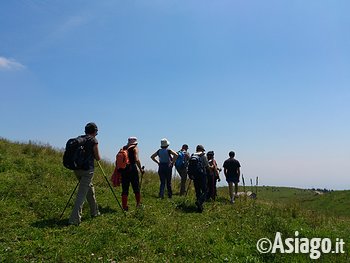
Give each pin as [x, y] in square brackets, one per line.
[126, 208]
[140, 206]
[96, 215]
[199, 207]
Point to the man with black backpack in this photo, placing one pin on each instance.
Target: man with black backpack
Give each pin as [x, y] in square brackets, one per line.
[197, 169]
[181, 167]
[85, 173]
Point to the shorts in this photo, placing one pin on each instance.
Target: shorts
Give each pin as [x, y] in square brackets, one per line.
[232, 179]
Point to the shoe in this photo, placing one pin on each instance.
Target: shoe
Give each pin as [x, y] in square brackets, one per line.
[96, 215]
[199, 207]
[140, 206]
[126, 208]
[232, 201]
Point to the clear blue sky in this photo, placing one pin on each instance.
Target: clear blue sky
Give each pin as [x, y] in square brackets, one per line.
[267, 79]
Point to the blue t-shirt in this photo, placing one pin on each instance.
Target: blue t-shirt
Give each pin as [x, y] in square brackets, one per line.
[164, 156]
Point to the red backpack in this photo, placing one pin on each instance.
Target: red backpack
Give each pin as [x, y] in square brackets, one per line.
[122, 159]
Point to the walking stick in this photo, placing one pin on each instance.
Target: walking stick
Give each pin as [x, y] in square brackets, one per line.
[243, 183]
[188, 187]
[111, 188]
[69, 200]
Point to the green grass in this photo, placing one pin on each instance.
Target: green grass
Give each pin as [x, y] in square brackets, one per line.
[335, 203]
[34, 188]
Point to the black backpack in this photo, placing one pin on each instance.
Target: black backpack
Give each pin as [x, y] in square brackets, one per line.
[74, 157]
[195, 166]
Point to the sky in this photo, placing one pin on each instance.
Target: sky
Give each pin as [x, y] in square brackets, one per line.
[267, 79]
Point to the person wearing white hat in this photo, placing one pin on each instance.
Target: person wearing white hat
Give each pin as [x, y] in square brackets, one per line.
[131, 175]
[166, 159]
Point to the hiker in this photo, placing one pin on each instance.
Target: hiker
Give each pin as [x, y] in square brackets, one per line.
[130, 174]
[212, 176]
[86, 189]
[165, 161]
[181, 167]
[198, 167]
[232, 172]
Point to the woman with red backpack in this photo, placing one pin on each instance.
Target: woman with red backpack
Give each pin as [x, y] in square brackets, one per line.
[130, 174]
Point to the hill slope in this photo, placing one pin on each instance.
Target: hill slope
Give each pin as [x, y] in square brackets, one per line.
[34, 188]
[335, 203]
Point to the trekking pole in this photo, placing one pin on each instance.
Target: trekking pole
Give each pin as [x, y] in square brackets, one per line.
[174, 173]
[111, 188]
[188, 187]
[69, 200]
[142, 169]
[243, 183]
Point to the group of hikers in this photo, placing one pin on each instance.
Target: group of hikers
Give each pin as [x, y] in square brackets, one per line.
[200, 167]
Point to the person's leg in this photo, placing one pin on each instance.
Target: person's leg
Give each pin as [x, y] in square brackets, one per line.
[84, 178]
[162, 177]
[210, 186]
[236, 188]
[135, 183]
[168, 182]
[91, 198]
[215, 191]
[183, 175]
[125, 189]
[230, 189]
[203, 186]
[197, 187]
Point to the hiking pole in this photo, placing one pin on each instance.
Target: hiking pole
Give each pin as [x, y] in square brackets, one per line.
[69, 200]
[111, 187]
[188, 187]
[243, 183]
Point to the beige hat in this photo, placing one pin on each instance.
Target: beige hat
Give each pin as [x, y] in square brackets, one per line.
[164, 142]
[132, 140]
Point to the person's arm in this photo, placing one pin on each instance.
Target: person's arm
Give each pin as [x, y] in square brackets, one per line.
[211, 164]
[96, 152]
[137, 160]
[205, 163]
[225, 169]
[153, 157]
[175, 155]
[216, 170]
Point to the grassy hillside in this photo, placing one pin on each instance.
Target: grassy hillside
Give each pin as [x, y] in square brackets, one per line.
[335, 203]
[34, 188]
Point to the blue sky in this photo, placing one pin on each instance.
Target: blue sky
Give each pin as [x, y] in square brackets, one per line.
[267, 79]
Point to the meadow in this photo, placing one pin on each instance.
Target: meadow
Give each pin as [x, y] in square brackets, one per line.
[35, 187]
